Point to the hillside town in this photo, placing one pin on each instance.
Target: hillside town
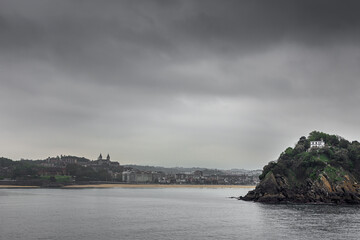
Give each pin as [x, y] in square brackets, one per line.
[71, 169]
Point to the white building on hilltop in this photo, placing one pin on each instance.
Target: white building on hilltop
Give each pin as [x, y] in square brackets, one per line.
[317, 144]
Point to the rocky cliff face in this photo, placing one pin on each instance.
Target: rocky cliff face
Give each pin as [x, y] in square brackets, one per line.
[275, 189]
[311, 176]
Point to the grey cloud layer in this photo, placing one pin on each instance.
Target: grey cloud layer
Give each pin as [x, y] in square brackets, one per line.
[147, 79]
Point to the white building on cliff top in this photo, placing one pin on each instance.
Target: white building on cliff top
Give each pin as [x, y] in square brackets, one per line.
[317, 144]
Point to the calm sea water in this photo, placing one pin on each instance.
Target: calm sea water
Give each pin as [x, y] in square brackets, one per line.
[186, 213]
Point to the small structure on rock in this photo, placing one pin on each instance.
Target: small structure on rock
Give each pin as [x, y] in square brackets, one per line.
[317, 144]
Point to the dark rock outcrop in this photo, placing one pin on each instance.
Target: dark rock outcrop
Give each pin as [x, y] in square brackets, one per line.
[275, 189]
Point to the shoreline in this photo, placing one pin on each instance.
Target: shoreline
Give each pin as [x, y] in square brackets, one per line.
[79, 186]
[154, 186]
[17, 186]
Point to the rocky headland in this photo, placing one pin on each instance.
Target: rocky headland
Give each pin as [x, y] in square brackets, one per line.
[321, 168]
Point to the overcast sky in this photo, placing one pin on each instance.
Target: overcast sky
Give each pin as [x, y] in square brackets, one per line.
[218, 84]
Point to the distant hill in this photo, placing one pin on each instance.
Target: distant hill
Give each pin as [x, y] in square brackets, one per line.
[206, 171]
[305, 174]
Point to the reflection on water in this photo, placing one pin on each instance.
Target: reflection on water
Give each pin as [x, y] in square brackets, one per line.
[165, 214]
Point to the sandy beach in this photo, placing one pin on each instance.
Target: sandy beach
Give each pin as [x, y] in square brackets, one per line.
[155, 186]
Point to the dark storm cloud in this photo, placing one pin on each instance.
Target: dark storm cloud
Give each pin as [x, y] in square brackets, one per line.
[68, 28]
[125, 36]
[161, 76]
[264, 22]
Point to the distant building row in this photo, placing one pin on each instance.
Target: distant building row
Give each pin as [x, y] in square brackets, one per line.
[135, 176]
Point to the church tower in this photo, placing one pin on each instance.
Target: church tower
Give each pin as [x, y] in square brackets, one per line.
[100, 157]
[108, 157]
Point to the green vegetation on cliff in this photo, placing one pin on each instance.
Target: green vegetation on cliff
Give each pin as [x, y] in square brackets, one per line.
[312, 174]
[338, 158]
